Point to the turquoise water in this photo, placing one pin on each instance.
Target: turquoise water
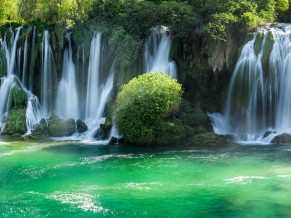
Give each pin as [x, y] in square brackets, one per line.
[58, 179]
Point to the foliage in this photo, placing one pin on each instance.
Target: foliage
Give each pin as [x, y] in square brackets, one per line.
[17, 98]
[126, 46]
[62, 12]
[8, 11]
[142, 105]
[131, 19]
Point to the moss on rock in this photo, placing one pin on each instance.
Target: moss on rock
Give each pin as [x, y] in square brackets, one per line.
[41, 128]
[258, 42]
[106, 127]
[58, 127]
[16, 123]
[196, 118]
[171, 132]
[267, 51]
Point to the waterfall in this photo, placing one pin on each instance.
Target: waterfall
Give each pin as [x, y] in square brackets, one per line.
[24, 67]
[94, 86]
[157, 52]
[13, 58]
[92, 97]
[31, 65]
[258, 105]
[98, 91]
[67, 105]
[48, 77]
[6, 84]
[33, 112]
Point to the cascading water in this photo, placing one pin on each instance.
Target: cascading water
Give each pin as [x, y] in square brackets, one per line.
[24, 67]
[48, 77]
[157, 52]
[258, 106]
[67, 96]
[97, 91]
[13, 62]
[92, 97]
[18, 61]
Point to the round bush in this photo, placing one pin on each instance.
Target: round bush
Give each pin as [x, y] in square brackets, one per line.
[142, 105]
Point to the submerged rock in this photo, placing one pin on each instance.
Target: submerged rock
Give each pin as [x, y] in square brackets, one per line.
[208, 139]
[284, 138]
[16, 123]
[113, 141]
[81, 126]
[58, 127]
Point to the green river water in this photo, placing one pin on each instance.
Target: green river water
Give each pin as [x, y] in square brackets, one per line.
[70, 179]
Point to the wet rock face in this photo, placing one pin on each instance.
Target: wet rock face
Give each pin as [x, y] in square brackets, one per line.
[81, 126]
[58, 127]
[106, 128]
[223, 54]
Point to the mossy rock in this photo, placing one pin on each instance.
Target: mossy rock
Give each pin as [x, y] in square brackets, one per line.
[284, 138]
[58, 127]
[41, 128]
[268, 47]
[106, 128]
[207, 139]
[16, 123]
[81, 126]
[196, 118]
[171, 132]
[17, 99]
[258, 42]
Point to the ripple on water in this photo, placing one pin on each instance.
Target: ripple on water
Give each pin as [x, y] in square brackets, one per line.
[242, 179]
[83, 201]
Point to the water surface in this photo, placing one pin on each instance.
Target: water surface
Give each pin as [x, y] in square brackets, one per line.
[71, 179]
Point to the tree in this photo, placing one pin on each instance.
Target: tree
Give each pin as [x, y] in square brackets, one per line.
[8, 10]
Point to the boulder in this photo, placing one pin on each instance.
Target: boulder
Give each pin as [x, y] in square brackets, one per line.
[267, 133]
[41, 128]
[58, 127]
[81, 126]
[284, 138]
[16, 123]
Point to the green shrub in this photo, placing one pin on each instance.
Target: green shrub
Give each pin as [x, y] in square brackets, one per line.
[17, 98]
[142, 105]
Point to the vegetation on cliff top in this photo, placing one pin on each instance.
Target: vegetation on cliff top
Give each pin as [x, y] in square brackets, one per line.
[210, 17]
